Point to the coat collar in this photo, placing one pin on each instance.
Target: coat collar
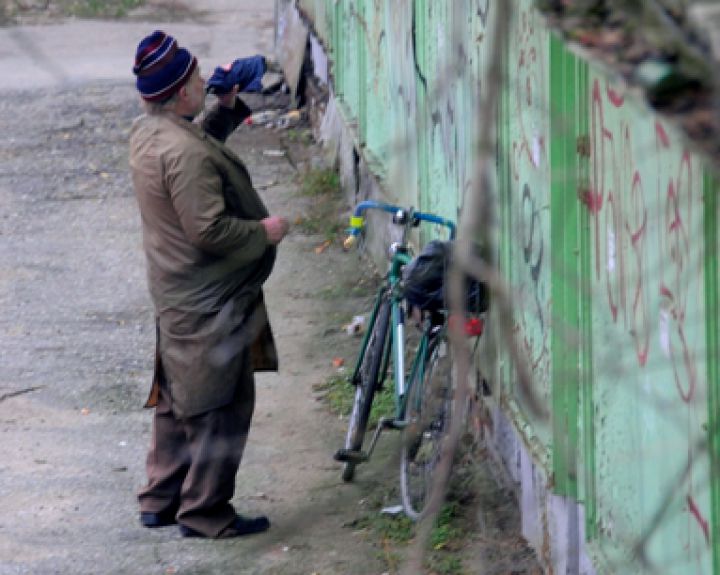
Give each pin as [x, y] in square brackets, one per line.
[197, 130]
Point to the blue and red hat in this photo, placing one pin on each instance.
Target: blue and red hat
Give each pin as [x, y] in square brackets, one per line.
[161, 66]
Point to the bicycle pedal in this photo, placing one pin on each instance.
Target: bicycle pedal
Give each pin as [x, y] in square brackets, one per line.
[350, 456]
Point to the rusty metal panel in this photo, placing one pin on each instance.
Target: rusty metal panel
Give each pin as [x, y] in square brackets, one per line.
[650, 385]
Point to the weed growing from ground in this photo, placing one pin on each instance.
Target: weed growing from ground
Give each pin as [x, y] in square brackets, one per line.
[320, 182]
[321, 188]
[338, 394]
[396, 532]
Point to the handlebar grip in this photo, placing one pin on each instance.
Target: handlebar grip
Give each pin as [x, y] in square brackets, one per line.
[356, 226]
[349, 242]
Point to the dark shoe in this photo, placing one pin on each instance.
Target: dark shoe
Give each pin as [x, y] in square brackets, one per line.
[241, 526]
[152, 520]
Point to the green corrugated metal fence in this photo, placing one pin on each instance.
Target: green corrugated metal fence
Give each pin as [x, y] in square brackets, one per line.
[608, 238]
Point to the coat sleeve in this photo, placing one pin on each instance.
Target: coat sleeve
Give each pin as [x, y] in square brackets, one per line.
[196, 191]
[220, 122]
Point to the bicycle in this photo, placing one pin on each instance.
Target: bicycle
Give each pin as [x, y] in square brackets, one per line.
[422, 395]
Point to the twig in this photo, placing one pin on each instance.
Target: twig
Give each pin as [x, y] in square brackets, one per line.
[5, 396]
[664, 507]
[477, 206]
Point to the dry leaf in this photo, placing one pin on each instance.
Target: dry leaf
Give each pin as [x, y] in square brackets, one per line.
[322, 247]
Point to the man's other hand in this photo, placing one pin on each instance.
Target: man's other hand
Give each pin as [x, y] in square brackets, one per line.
[275, 227]
[228, 100]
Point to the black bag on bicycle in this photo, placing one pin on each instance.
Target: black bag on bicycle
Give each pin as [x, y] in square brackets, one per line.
[424, 279]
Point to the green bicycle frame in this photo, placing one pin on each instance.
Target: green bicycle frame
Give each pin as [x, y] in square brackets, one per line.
[395, 347]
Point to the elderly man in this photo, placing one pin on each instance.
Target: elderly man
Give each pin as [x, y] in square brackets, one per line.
[210, 244]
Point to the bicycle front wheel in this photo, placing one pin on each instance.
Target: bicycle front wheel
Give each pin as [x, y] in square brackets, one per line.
[428, 412]
[368, 377]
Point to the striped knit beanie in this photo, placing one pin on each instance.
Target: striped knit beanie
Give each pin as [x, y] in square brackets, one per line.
[161, 67]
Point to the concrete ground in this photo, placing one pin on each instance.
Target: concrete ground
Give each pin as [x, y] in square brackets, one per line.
[76, 324]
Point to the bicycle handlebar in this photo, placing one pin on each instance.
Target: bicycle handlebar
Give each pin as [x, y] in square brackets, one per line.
[357, 221]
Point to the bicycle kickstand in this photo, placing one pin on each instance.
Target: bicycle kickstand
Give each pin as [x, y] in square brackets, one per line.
[348, 455]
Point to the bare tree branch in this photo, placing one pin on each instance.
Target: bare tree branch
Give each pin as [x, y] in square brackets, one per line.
[477, 212]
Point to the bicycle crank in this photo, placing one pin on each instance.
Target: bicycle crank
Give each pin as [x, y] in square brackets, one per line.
[350, 456]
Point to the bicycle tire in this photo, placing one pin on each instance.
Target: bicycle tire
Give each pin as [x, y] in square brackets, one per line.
[369, 373]
[429, 406]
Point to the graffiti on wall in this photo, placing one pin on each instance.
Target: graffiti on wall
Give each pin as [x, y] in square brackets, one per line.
[676, 194]
[617, 200]
[617, 203]
[648, 303]
[482, 9]
[529, 173]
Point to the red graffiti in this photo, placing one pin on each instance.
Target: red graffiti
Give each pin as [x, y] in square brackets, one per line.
[616, 202]
[616, 99]
[640, 321]
[675, 250]
[592, 201]
[662, 135]
[599, 141]
[702, 522]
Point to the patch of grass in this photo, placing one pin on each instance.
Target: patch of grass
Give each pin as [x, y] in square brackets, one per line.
[321, 189]
[321, 182]
[364, 286]
[445, 565]
[449, 534]
[383, 404]
[446, 533]
[391, 528]
[396, 532]
[338, 394]
[299, 136]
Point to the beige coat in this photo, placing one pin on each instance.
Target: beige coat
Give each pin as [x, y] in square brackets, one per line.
[207, 256]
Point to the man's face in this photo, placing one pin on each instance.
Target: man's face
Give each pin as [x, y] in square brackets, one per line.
[194, 94]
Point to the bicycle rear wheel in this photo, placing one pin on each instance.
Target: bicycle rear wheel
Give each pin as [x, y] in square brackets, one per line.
[428, 414]
[368, 374]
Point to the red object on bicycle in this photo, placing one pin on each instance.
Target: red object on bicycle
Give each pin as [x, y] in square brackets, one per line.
[473, 327]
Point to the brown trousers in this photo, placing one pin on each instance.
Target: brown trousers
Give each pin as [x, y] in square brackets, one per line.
[192, 462]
